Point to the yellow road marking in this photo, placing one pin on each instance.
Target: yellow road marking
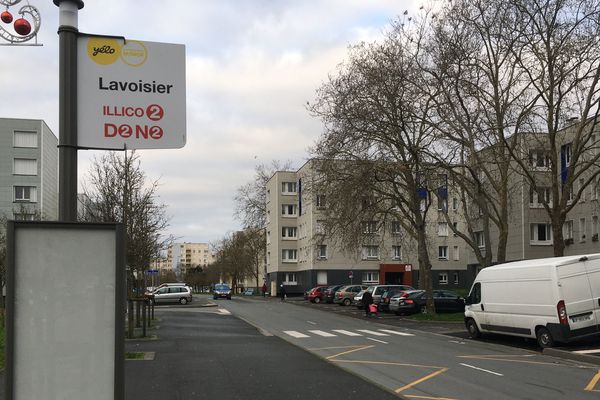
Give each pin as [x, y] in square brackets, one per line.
[427, 397]
[350, 351]
[499, 358]
[590, 387]
[423, 379]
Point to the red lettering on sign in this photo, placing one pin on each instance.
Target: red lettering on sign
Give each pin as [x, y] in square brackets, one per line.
[155, 112]
[138, 131]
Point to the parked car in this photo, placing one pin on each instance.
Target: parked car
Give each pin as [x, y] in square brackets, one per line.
[330, 293]
[384, 302]
[222, 291]
[378, 290]
[550, 299]
[171, 294]
[345, 294]
[317, 294]
[414, 302]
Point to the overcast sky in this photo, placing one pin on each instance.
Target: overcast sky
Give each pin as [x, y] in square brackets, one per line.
[251, 67]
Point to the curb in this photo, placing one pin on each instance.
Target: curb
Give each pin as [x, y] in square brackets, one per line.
[571, 356]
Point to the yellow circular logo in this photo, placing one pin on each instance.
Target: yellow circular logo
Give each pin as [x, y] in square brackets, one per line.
[134, 53]
[103, 51]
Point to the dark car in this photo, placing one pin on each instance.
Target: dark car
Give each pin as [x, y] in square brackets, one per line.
[222, 291]
[414, 302]
[330, 293]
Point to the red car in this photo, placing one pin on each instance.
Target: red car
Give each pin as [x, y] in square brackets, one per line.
[316, 294]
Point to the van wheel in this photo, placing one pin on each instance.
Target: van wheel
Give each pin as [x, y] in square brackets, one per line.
[544, 337]
[347, 302]
[473, 329]
[183, 301]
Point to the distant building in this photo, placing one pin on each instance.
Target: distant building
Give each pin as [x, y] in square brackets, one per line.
[28, 170]
[182, 256]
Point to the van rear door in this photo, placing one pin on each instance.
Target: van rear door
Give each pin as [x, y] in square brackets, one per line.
[593, 269]
[576, 292]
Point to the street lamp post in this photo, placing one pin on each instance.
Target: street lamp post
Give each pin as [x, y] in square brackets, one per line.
[67, 162]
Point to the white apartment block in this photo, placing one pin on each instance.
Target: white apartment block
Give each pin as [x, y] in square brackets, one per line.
[28, 170]
[181, 256]
[300, 256]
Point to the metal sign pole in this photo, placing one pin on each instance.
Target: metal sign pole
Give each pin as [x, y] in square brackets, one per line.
[67, 164]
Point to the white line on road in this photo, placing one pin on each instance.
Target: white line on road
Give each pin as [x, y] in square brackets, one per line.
[396, 332]
[347, 333]
[312, 323]
[223, 311]
[594, 351]
[377, 340]
[296, 334]
[481, 369]
[374, 333]
[323, 333]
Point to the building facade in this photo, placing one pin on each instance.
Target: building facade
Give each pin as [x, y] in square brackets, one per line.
[28, 170]
[300, 255]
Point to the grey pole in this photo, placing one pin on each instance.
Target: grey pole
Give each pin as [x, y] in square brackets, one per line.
[67, 161]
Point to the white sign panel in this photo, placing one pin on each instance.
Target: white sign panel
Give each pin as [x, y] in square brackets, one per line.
[131, 94]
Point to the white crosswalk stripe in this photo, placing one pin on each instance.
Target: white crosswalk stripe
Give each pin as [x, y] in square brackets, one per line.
[374, 333]
[322, 333]
[347, 333]
[396, 332]
[296, 334]
[358, 332]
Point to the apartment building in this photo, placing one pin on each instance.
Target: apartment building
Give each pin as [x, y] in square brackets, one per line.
[181, 256]
[300, 255]
[28, 170]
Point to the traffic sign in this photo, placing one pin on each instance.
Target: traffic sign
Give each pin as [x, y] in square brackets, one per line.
[131, 94]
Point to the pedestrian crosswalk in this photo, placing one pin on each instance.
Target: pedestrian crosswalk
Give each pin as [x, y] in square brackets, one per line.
[344, 332]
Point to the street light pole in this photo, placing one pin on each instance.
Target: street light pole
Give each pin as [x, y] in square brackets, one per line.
[67, 163]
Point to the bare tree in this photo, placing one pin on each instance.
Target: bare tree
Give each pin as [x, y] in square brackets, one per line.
[116, 190]
[373, 159]
[559, 52]
[251, 199]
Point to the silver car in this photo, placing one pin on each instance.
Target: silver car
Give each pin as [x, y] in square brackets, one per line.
[172, 294]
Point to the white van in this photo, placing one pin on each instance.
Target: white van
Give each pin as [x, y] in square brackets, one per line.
[551, 299]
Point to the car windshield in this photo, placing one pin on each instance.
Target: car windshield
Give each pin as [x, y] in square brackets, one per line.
[221, 287]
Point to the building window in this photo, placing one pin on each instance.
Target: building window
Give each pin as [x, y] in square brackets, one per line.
[443, 278]
[455, 253]
[322, 251]
[320, 227]
[442, 229]
[288, 187]
[25, 139]
[26, 193]
[288, 209]
[568, 229]
[540, 196]
[442, 252]
[370, 252]
[396, 252]
[321, 203]
[582, 197]
[370, 227]
[479, 239]
[442, 204]
[370, 277]
[540, 234]
[567, 152]
[25, 166]
[455, 276]
[455, 225]
[595, 228]
[24, 216]
[289, 232]
[396, 228]
[289, 255]
[290, 279]
[582, 229]
[539, 159]
[454, 203]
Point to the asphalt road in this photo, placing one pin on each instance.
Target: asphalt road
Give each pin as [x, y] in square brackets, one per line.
[418, 364]
[206, 353]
